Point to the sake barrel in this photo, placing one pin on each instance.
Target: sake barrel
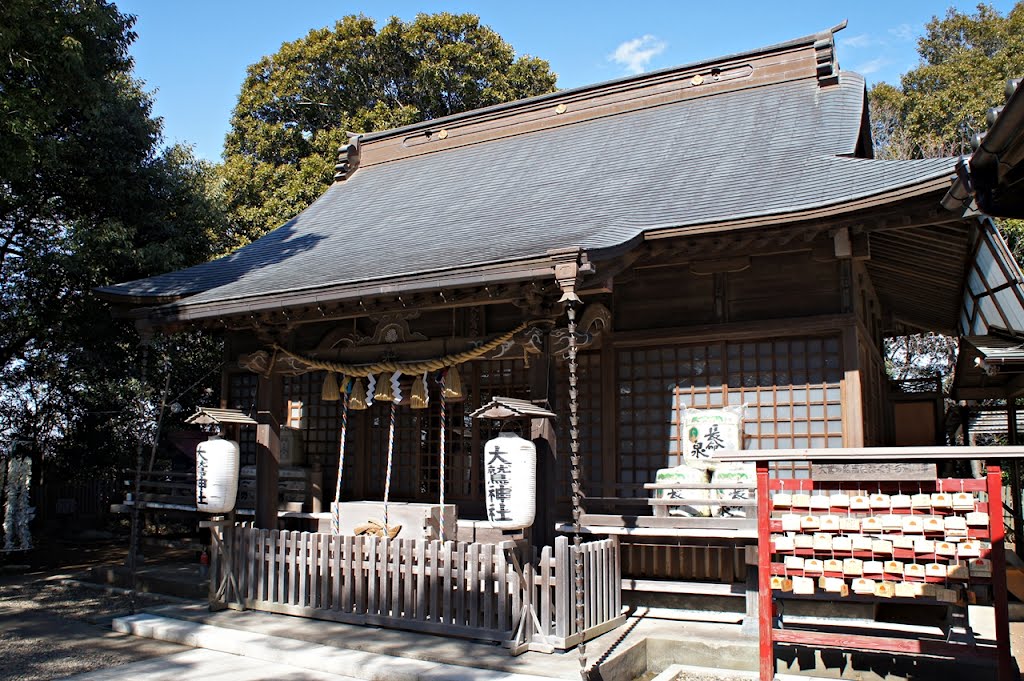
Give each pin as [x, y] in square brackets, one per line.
[510, 474]
[216, 475]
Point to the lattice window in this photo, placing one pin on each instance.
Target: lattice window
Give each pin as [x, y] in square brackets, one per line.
[318, 421]
[242, 395]
[791, 387]
[415, 468]
[505, 377]
[589, 397]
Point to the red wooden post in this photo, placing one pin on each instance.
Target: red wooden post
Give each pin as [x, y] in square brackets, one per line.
[766, 613]
[998, 557]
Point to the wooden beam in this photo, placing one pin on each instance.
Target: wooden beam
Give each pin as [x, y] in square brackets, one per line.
[775, 328]
[875, 454]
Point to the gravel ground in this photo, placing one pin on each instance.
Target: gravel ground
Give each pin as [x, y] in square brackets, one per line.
[49, 630]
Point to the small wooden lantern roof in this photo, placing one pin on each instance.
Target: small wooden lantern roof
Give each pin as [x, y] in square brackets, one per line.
[511, 408]
[205, 416]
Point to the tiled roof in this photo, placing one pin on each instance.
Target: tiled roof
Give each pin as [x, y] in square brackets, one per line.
[760, 151]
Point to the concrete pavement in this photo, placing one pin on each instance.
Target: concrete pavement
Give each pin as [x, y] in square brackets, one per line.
[200, 664]
[296, 653]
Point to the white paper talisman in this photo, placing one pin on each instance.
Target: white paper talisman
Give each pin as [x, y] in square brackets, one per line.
[780, 583]
[833, 565]
[880, 501]
[793, 563]
[859, 502]
[945, 548]
[942, 500]
[935, 570]
[822, 542]
[933, 524]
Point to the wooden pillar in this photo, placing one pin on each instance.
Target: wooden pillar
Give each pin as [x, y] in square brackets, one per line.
[1015, 507]
[765, 607]
[852, 390]
[541, 378]
[998, 557]
[269, 410]
[609, 418]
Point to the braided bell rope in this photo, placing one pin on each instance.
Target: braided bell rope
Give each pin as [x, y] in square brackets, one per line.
[391, 454]
[414, 367]
[336, 515]
[441, 452]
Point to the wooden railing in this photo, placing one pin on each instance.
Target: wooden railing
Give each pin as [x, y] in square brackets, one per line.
[548, 622]
[451, 588]
[176, 490]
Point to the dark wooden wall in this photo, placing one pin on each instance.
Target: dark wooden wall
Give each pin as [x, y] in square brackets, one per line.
[791, 334]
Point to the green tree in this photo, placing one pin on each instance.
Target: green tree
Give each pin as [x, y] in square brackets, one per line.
[87, 198]
[966, 60]
[297, 104]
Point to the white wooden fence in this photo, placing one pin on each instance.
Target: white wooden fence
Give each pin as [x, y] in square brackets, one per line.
[451, 588]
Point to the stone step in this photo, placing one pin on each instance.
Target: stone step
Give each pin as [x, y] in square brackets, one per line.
[303, 654]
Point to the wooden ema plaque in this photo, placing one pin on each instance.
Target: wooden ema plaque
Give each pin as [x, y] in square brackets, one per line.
[928, 546]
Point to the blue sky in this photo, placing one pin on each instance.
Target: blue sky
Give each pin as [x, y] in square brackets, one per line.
[192, 54]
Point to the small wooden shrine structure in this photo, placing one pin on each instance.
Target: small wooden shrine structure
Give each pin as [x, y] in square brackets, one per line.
[710, 235]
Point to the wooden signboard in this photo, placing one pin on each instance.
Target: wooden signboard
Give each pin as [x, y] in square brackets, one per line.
[885, 472]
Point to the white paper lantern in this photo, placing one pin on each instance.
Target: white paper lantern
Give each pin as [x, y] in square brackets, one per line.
[510, 471]
[216, 475]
